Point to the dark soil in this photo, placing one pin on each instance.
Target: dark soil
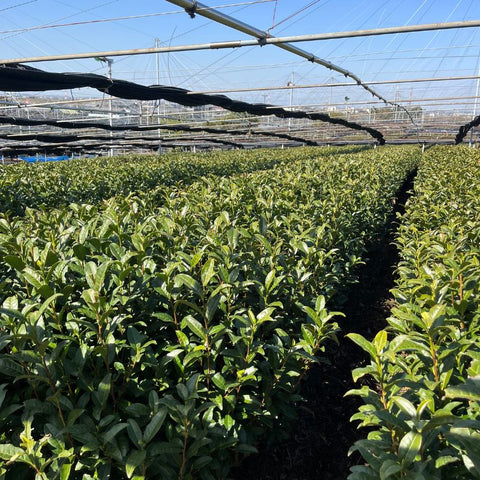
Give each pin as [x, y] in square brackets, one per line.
[317, 448]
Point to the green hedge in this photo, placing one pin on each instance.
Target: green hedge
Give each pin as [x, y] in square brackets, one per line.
[53, 184]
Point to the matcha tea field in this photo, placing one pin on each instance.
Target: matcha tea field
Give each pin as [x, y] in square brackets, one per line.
[161, 315]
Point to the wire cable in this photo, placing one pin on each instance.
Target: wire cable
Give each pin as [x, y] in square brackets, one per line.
[18, 5]
[64, 18]
[113, 19]
[306, 7]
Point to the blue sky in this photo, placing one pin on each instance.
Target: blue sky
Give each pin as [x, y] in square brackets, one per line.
[415, 55]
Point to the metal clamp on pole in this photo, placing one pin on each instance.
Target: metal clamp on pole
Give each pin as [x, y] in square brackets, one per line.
[262, 41]
[193, 9]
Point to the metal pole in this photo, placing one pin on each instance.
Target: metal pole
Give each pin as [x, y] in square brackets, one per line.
[61, 102]
[157, 67]
[376, 102]
[263, 40]
[291, 84]
[28, 116]
[475, 106]
[110, 105]
[395, 108]
[330, 97]
[157, 61]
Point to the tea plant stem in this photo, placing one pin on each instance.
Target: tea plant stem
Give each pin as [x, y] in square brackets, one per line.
[433, 352]
[184, 449]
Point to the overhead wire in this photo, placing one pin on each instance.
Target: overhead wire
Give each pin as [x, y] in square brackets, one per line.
[189, 71]
[363, 41]
[217, 61]
[342, 42]
[242, 6]
[421, 55]
[425, 48]
[115, 19]
[294, 14]
[382, 69]
[17, 5]
[68, 16]
[69, 36]
[435, 35]
[299, 19]
[472, 36]
[454, 37]
[274, 14]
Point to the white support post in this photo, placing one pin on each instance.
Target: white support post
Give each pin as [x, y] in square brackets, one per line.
[475, 106]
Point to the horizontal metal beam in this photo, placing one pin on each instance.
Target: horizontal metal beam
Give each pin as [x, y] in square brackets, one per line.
[18, 104]
[119, 114]
[378, 31]
[376, 102]
[341, 84]
[247, 43]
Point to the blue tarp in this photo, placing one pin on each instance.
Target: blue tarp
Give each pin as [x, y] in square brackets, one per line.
[43, 159]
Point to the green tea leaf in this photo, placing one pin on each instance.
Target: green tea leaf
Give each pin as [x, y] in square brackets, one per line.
[219, 381]
[10, 367]
[196, 327]
[469, 390]
[189, 282]
[103, 391]
[134, 432]
[154, 425]
[134, 460]
[32, 277]
[406, 406]
[468, 441]
[228, 422]
[9, 452]
[113, 431]
[389, 468]
[212, 306]
[15, 262]
[65, 471]
[363, 343]
[208, 271]
[410, 446]
[380, 340]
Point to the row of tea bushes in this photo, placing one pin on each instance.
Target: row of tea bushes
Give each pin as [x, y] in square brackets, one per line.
[424, 415]
[92, 180]
[160, 335]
